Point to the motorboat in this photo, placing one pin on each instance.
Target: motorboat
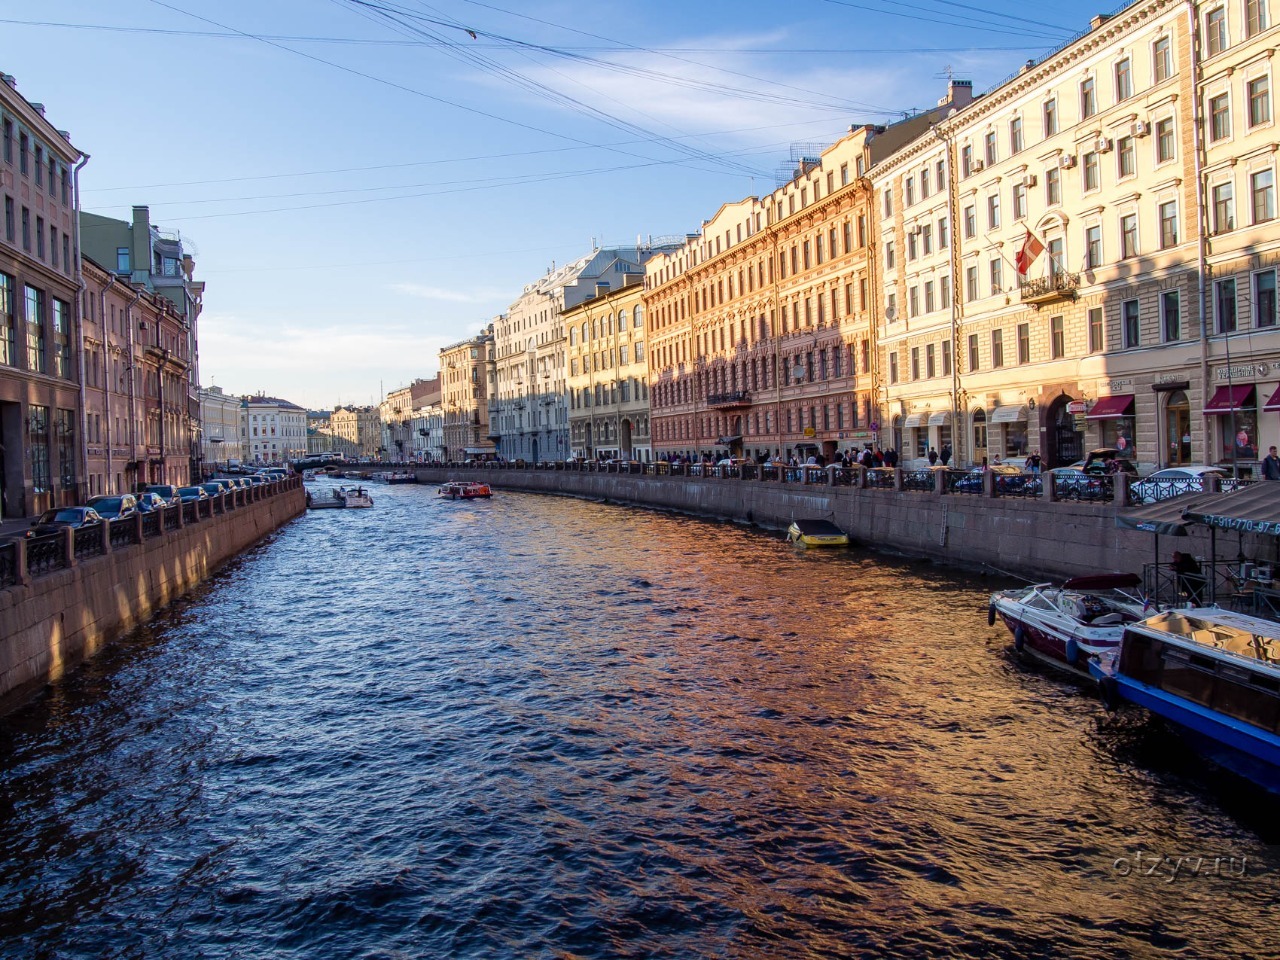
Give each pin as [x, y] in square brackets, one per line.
[1070, 623]
[1212, 673]
[465, 490]
[308, 476]
[353, 496]
[402, 477]
[816, 533]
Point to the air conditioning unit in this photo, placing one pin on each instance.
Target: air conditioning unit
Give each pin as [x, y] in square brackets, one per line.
[978, 165]
[915, 230]
[1067, 161]
[1030, 180]
[1141, 128]
[1102, 145]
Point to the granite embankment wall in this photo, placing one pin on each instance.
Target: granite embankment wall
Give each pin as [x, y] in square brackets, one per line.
[50, 623]
[1027, 537]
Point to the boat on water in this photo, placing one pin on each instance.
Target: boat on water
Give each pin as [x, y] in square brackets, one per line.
[353, 497]
[816, 533]
[403, 477]
[1214, 674]
[308, 476]
[465, 490]
[1069, 623]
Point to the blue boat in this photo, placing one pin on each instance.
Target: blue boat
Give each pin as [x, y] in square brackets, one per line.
[1214, 674]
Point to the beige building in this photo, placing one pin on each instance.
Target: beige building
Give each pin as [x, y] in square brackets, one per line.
[220, 429]
[397, 413]
[272, 430]
[355, 431]
[1118, 332]
[608, 375]
[467, 378]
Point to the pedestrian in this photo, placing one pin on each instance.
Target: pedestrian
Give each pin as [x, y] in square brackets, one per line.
[1271, 465]
[933, 457]
[891, 457]
[1033, 463]
[945, 456]
[877, 457]
[868, 460]
[1190, 579]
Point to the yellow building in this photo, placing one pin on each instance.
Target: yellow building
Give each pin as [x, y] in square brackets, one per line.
[356, 431]
[466, 381]
[608, 375]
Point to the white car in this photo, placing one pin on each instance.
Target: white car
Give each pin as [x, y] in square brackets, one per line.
[1172, 482]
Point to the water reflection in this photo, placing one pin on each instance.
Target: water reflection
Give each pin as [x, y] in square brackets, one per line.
[542, 727]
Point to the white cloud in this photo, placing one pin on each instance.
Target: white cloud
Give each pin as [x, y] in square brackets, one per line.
[425, 292]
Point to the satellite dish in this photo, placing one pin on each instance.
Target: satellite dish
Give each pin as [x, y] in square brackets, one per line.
[797, 371]
[891, 313]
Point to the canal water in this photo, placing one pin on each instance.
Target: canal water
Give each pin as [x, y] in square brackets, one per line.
[542, 727]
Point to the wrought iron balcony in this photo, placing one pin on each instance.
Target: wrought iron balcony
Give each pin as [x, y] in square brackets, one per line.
[1059, 285]
[736, 398]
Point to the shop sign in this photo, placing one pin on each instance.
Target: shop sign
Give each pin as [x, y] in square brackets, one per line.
[1077, 407]
[1115, 386]
[1079, 422]
[1246, 371]
[810, 432]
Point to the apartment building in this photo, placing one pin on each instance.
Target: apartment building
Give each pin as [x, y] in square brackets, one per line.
[41, 418]
[398, 411]
[608, 375]
[272, 430]
[1095, 286]
[219, 429]
[467, 378]
[354, 431]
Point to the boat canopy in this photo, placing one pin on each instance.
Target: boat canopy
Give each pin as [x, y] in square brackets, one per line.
[818, 528]
[1235, 633]
[1251, 509]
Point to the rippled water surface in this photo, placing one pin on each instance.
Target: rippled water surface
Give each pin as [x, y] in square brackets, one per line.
[539, 727]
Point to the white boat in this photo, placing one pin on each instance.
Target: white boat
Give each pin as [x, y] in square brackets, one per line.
[1068, 624]
[353, 496]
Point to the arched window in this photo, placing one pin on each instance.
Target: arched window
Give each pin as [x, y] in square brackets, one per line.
[573, 336]
[584, 331]
[622, 320]
[639, 317]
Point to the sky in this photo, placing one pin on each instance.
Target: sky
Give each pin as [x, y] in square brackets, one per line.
[365, 181]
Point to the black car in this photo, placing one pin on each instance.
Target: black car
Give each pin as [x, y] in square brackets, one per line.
[114, 507]
[51, 521]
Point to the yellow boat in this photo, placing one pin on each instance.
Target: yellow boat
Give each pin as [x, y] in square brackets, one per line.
[816, 533]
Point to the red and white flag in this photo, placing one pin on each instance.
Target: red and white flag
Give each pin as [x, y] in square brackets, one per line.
[1031, 248]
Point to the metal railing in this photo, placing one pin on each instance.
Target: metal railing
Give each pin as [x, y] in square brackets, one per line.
[152, 524]
[87, 541]
[121, 532]
[963, 482]
[919, 480]
[1084, 487]
[45, 554]
[8, 565]
[1151, 490]
[172, 516]
[1027, 485]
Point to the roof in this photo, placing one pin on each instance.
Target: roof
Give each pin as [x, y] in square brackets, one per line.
[272, 401]
[1251, 509]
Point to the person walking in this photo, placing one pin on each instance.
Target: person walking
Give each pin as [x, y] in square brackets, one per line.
[933, 456]
[1271, 465]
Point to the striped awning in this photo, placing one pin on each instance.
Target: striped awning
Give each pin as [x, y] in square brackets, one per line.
[940, 419]
[1008, 414]
[913, 421]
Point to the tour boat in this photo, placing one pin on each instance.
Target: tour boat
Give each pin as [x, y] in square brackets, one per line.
[1070, 623]
[1215, 674]
[816, 533]
[402, 478]
[465, 490]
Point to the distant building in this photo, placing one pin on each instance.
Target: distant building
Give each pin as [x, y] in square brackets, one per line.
[356, 431]
[466, 372]
[41, 417]
[220, 425]
[272, 430]
[397, 414]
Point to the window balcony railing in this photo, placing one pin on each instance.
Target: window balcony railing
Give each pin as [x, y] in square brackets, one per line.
[736, 398]
[1059, 285]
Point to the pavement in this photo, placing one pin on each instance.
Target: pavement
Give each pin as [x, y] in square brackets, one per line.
[9, 529]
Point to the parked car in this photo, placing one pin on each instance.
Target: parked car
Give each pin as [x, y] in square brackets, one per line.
[189, 494]
[213, 488]
[166, 490]
[1098, 462]
[1009, 479]
[114, 507]
[151, 501]
[1172, 482]
[51, 521]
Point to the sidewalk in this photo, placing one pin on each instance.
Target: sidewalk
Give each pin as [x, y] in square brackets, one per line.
[9, 529]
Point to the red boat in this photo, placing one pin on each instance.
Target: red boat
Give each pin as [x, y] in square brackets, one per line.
[465, 490]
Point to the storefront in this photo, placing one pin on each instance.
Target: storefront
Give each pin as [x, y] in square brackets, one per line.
[940, 428]
[915, 439]
[1116, 423]
[1233, 410]
[1177, 423]
[1012, 423]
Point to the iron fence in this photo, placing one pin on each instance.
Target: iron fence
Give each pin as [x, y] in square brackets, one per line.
[45, 555]
[8, 565]
[1084, 487]
[87, 542]
[920, 480]
[152, 523]
[122, 532]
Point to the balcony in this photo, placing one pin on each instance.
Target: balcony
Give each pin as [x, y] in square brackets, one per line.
[725, 401]
[1059, 285]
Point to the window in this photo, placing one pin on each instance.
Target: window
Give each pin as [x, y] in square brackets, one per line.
[1215, 31]
[1162, 59]
[888, 203]
[989, 147]
[1164, 140]
[1262, 193]
[39, 445]
[1088, 99]
[8, 140]
[1091, 181]
[1220, 117]
[944, 291]
[1024, 343]
[1050, 114]
[1125, 157]
[926, 239]
[944, 236]
[946, 358]
[26, 229]
[61, 339]
[1224, 209]
[122, 260]
[912, 247]
[997, 277]
[913, 302]
[1170, 316]
[1255, 17]
[940, 176]
[8, 327]
[1168, 224]
[1056, 258]
[971, 283]
[973, 352]
[966, 160]
[1015, 135]
[1128, 236]
[1093, 247]
[1057, 337]
[34, 315]
[893, 367]
[930, 304]
[1019, 201]
[888, 255]
[1129, 323]
[891, 306]
[930, 361]
[909, 189]
[997, 348]
[1124, 79]
[993, 211]
[1264, 299]
[1224, 300]
[915, 363]
[24, 148]
[1052, 186]
[970, 222]
[1259, 101]
[1095, 330]
[10, 226]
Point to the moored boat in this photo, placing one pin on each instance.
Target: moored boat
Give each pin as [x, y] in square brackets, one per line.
[403, 477]
[353, 496]
[1214, 674]
[816, 533]
[465, 490]
[1068, 624]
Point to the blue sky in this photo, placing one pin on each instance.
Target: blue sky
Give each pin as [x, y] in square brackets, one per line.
[364, 181]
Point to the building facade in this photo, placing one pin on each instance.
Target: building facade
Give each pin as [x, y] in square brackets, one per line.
[607, 381]
[272, 431]
[467, 375]
[41, 417]
[219, 430]
[398, 411]
[355, 431]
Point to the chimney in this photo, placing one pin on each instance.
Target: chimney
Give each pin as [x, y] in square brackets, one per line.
[602, 287]
[38, 108]
[10, 79]
[1099, 20]
[959, 94]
